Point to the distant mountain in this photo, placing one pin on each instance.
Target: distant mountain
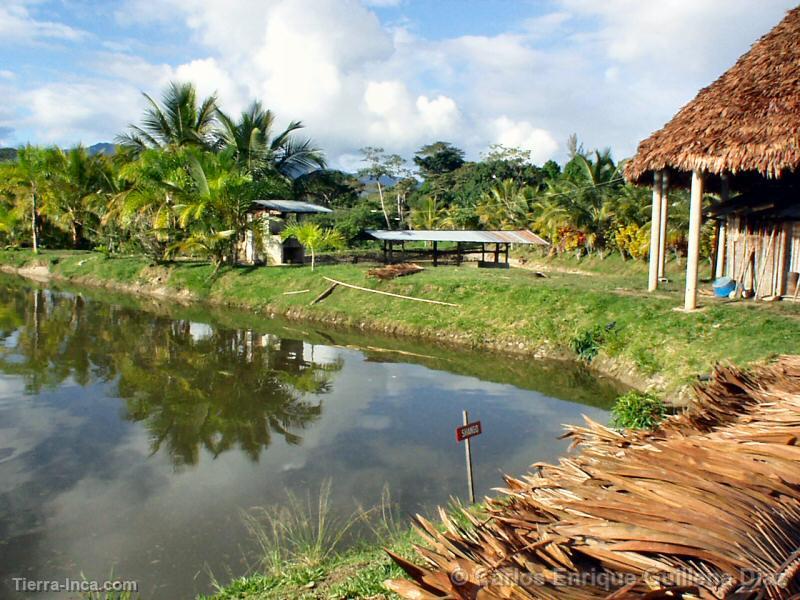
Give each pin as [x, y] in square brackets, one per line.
[8, 154]
[101, 148]
[385, 180]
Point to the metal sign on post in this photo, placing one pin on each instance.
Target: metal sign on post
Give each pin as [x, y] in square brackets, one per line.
[463, 434]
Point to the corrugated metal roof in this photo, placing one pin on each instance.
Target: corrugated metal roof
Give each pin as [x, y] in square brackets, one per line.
[488, 237]
[291, 206]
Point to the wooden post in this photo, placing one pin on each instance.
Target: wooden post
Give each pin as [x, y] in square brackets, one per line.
[693, 255]
[468, 451]
[385, 251]
[435, 254]
[662, 234]
[391, 251]
[497, 253]
[655, 231]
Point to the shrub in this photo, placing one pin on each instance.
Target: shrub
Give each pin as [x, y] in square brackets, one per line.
[637, 410]
[586, 344]
[633, 240]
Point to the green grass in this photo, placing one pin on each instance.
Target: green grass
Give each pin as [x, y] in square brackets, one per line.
[356, 573]
[650, 343]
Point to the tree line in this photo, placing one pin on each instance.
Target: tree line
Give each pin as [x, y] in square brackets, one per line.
[182, 180]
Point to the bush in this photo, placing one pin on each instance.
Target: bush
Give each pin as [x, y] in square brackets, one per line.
[633, 241]
[586, 344]
[637, 410]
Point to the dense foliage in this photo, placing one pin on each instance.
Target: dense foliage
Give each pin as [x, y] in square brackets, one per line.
[181, 181]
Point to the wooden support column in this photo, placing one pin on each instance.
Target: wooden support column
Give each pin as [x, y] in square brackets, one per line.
[385, 253]
[391, 251]
[693, 255]
[497, 253]
[655, 231]
[435, 254]
[662, 235]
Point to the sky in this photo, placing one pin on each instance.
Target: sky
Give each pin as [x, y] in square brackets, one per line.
[396, 74]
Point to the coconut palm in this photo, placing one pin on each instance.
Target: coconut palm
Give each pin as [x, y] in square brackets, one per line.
[212, 206]
[178, 121]
[79, 182]
[258, 151]
[427, 215]
[27, 183]
[313, 237]
[507, 205]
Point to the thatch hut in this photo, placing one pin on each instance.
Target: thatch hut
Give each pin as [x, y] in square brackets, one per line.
[740, 138]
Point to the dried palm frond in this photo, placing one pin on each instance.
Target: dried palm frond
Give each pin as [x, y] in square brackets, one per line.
[707, 505]
[392, 271]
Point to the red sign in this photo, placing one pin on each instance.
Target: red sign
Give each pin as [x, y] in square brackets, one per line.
[467, 431]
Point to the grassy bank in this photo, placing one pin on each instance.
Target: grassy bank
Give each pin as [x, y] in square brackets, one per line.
[596, 304]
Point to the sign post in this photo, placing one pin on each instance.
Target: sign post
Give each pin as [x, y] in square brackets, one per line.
[463, 434]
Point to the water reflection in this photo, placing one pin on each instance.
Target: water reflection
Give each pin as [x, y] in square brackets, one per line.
[191, 387]
[133, 433]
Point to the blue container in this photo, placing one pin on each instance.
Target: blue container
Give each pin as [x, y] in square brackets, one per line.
[723, 287]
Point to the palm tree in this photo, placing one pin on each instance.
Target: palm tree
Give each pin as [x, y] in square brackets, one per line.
[28, 181]
[144, 203]
[78, 182]
[212, 205]
[257, 151]
[506, 205]
[313, 237]
[178, 121]
[426, 216]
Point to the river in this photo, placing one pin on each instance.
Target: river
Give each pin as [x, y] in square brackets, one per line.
[134, 433]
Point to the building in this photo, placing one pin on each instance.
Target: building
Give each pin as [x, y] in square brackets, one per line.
[263, 244]
[739, 138]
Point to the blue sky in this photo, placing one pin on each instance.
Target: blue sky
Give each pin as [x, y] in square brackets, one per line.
[392, 73]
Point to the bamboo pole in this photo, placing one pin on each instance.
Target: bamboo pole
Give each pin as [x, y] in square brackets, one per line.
[363, 289]
[323, 295]
[781, 268]
[655, 230]
[662, 240]
[767, 255]
[693, 255]
[722, 245]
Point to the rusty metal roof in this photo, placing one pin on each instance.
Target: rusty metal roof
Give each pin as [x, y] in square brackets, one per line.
[522, 236]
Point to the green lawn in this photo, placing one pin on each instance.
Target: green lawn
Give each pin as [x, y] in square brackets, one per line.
[648, 342]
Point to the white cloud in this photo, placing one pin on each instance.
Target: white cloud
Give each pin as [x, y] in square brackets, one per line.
[522, 134]
[611, 72]
[67, 113]
[17, 25]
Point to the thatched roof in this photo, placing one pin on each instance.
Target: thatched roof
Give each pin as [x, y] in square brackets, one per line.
[707, 505]
[747, 120]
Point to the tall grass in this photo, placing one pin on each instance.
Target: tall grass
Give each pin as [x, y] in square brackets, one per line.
[304, 531]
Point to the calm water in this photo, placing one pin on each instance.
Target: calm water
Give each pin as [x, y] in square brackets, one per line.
[132, 436]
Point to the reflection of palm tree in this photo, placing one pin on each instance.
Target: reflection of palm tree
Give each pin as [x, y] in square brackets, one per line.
[216, 393]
